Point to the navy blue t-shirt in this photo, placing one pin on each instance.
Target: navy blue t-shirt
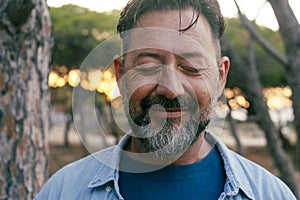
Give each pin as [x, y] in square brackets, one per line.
[204, 179]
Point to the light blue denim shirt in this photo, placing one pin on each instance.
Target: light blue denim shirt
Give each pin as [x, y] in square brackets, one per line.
[96, 177]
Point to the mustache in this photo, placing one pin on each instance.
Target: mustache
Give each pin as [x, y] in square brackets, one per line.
[177, 102]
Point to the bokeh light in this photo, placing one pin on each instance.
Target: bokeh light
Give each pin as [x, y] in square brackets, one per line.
[74, 78]
[105, 82]
[276, 98]
[92, 80]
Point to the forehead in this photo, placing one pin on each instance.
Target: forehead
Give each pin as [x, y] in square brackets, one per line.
[160, 30]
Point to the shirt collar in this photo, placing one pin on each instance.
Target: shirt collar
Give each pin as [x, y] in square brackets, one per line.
[236, 178]
[110, 159]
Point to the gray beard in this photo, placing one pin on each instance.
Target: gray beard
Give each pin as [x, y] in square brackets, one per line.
[174, 138]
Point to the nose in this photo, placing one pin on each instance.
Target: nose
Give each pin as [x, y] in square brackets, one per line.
[170, 84]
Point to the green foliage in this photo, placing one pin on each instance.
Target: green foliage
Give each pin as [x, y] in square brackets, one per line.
[77, 31]
[270, 71]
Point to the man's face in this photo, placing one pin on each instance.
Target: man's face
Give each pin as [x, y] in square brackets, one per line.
[170, 81]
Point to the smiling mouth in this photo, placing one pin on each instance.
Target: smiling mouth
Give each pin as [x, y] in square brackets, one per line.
[171, 113]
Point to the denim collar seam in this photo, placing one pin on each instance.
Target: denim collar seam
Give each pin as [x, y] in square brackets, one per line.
[229, 160]
[115, 152]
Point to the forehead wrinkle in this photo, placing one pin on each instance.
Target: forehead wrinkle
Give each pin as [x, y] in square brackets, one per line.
[149, 54]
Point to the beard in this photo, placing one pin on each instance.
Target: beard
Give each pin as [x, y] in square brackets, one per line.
[171, 140]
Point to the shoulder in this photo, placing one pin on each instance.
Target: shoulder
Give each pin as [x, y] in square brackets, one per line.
[263, 183]
[85, 167]
[76, 176]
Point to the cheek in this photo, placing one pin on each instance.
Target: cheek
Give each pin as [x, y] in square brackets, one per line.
[203, 97]
[203, 91]
[136, 82]
[208, 83]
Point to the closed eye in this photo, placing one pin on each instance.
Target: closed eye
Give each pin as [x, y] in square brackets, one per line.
[148, 68]
[193, 70]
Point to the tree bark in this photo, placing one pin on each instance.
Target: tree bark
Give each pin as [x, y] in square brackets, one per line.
[25, 51]
[253, 91]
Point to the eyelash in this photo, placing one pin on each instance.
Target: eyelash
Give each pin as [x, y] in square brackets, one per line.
[191, 70]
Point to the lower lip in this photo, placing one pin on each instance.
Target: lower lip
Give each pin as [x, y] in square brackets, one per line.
[162, 113]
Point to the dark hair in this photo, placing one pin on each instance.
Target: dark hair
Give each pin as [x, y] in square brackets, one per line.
[208, 8]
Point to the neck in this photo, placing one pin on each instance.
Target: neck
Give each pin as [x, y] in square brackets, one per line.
[196, 152]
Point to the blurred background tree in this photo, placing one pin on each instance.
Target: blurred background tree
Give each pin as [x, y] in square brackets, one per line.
[74, 40]
[250, 72]
[271, 72]
[77, 31]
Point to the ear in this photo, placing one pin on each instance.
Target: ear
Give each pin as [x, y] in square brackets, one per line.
[223, 72]
[118, 64]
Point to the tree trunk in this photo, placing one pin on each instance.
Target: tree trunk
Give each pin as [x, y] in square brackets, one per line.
[25, 52]
[232, 125]
[290, 31]
[253, 91]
